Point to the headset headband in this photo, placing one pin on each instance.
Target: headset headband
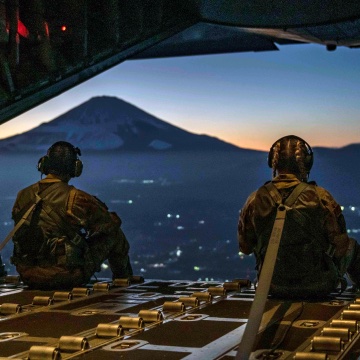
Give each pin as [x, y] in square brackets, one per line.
[76, 150]
[44, 163]
[309, 158]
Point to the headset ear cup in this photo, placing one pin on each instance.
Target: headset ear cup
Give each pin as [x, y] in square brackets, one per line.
[270, 156]
[78, 168]
[309, 160]
[43, 165]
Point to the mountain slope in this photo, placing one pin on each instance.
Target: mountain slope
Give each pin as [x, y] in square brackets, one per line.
[108, 123]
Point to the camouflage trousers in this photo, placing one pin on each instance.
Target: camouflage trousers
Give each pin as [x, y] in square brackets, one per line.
[50, 277]
[114, 249]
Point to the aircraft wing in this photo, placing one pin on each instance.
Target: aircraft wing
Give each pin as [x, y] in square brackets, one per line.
[203, 38]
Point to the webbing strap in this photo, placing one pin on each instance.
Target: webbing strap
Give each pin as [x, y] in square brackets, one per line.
[262, 291]
[290, 201]
[48, 190]
[19, 224]
[274, 192]
[267, 270]
[299, 217]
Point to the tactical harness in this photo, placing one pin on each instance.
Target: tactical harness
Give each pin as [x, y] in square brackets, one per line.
[79, 247]
[321, 275]
[268, 265]
[26, 215]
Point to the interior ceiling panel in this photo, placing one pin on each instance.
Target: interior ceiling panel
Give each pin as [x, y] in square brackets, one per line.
[50, 46]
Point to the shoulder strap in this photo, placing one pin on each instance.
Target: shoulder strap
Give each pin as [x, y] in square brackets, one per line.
[290, 201]
[45, 192]
[274, 192]
[262, 291]
[267, 270]
[19, 224]
[276, 196]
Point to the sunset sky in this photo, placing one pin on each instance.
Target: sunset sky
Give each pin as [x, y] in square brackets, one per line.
[248, 99]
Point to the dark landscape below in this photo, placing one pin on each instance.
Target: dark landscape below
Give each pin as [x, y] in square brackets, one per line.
[178, 193]
[179, 210]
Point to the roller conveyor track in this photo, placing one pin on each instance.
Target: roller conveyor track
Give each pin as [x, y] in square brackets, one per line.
[170, 320]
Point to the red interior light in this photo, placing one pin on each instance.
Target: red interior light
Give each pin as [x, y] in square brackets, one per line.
[22, 30]
[63, 28]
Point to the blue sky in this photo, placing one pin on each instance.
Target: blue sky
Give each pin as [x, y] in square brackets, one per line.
[248, 99]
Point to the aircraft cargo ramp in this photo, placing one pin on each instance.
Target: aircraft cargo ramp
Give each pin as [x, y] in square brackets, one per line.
[158, 319]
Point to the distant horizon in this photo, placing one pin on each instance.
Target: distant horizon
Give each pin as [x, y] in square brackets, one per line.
[245, 99]
[99, 96]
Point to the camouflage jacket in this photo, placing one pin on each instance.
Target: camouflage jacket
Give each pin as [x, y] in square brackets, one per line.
[44, 241]
[325, 212]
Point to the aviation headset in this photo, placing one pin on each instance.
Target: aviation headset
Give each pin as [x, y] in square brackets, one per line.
[45, 162]
[309, 157]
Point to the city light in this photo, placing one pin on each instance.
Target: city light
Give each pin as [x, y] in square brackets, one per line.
[157, 265]
[353, 231]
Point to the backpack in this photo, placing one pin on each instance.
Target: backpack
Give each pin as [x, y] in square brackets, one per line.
[304, 266]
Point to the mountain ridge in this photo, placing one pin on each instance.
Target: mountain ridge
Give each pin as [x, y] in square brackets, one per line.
[105, 123]
[108, 124]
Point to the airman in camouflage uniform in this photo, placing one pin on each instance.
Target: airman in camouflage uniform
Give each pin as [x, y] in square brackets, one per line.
[291, 159]
[70, 233]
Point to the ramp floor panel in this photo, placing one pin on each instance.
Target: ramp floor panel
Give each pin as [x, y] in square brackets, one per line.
[211, 329]
[54, 324]
[139, 354]
[187, 333]
[228, 309]
[23, 297]
[15, 347]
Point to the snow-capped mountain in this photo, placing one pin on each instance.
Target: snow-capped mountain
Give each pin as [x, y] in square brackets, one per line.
[108, 123]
